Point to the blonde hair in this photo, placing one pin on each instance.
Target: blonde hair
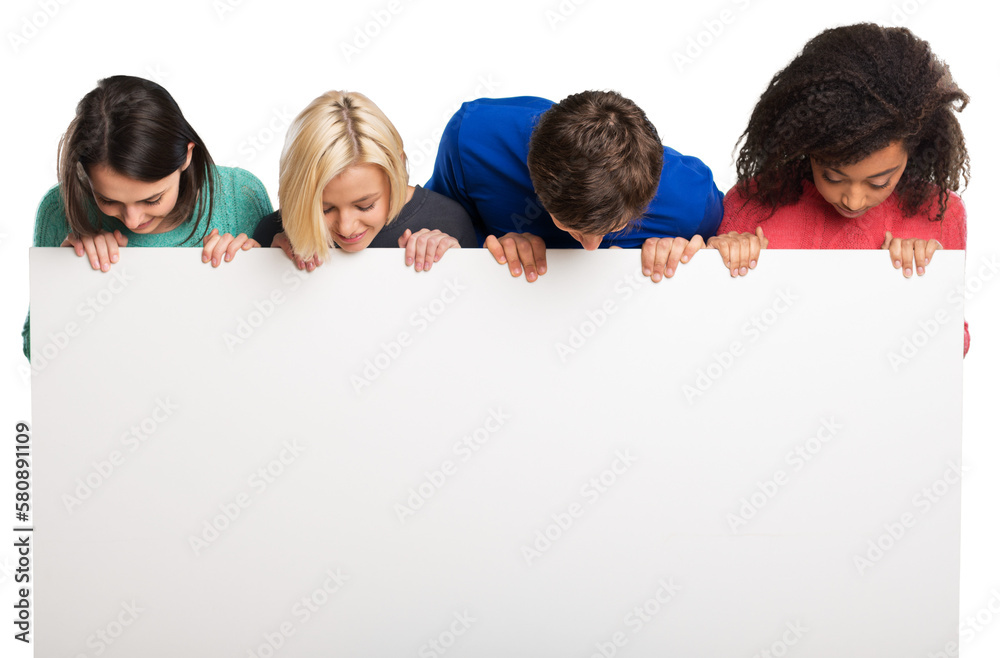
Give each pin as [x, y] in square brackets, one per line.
[336, 131]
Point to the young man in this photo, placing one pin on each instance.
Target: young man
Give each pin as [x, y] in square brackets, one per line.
[590, 170]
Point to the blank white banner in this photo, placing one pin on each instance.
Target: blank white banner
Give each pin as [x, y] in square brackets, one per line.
[251, 461]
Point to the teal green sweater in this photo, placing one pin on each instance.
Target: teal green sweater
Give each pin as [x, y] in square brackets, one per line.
[240, 203]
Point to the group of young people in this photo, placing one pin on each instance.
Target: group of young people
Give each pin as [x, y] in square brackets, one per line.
[853, 145]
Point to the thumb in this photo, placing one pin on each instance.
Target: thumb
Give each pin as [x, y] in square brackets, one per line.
[888, 240]
[404, 238]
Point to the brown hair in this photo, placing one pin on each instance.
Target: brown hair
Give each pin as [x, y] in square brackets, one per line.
[135, 127]
[595, 161]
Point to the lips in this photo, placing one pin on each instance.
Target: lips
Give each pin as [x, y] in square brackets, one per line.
[849, 214]
[354, 239]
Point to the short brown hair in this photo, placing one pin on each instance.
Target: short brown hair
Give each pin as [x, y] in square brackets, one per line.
[595, 161]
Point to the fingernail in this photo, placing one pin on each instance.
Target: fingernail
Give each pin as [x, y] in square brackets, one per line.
[541, 269]
[753, 264]
[920, 271]
[532, 276]
[926, 261]
[204, 259]
[228, 257]
[517, 270]
[684, 258]
[114, 259]
[898, 263]
[743, 270]
[215, 262]
[105, 267]
[733, 273]
[908, 272]
[656, 277]
[646, 272]
[409, 261]
[427, 265]
[669, 273]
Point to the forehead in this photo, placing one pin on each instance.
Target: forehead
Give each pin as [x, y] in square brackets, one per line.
[356, 181]
[108, 183]
[882, 160]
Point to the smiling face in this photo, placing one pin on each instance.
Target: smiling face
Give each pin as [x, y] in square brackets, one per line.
[141, 206]
[356, 205]
[855, 189]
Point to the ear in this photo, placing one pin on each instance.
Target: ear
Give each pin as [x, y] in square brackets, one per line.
[187, 162]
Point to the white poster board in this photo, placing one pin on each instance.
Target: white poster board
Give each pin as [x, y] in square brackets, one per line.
[368, 461]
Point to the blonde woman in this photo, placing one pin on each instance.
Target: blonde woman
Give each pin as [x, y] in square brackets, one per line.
[343, 182]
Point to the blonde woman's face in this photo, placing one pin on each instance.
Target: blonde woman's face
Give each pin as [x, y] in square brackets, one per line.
[356, 206]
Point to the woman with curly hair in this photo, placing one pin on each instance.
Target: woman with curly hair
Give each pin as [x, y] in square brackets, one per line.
[855, 145]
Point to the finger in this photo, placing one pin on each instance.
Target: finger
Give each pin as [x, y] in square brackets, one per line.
[111, 240]
[210, 241]
[250, 244]
[895, 249]
[888, 240]
[420, 251]
[744, 264]
[220, 249]
[410, 244]
[510, 255]
[538, 251]
[932, 246]
[920, 256]
[907, 255]
[756, 244]
[761, 236]
[663, 246]
[723, 245]
[121, 238]
[526, 253]
[235, 246]
[495, 248]
[101, 247]
[88, 246]
[676, 254]
[693, 246]
[404, 238]
[444, 245]
[648, 255]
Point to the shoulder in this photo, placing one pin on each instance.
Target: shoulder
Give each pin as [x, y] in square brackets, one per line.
[51, 226]
[497, 115]
[235, 178]
[428, 209]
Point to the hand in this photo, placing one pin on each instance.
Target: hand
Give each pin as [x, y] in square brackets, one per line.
[224, 247]
[660, 256]
[426, 247]
[739, 251]
[517, 249]
[905, 253]
[281, 240]
[102, 249]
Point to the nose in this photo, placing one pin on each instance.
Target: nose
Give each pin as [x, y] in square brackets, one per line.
[133, 216]
[590, 242]
[854, 199]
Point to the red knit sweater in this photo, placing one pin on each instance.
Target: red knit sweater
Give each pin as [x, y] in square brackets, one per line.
[812, 223]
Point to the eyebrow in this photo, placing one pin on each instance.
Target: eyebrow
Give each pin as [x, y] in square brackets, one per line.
[149, 198]
[881, 173]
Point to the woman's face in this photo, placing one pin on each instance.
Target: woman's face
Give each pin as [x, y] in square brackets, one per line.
[855, 189]
[356, 205]
[141, 206]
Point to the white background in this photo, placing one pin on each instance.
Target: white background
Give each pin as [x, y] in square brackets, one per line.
[237, 73]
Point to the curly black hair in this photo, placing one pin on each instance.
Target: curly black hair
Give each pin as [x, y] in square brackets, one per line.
[852, 91]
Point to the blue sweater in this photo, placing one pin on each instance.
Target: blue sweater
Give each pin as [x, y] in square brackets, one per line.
[482, 163]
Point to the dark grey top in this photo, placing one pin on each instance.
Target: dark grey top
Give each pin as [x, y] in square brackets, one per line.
[426, 209]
